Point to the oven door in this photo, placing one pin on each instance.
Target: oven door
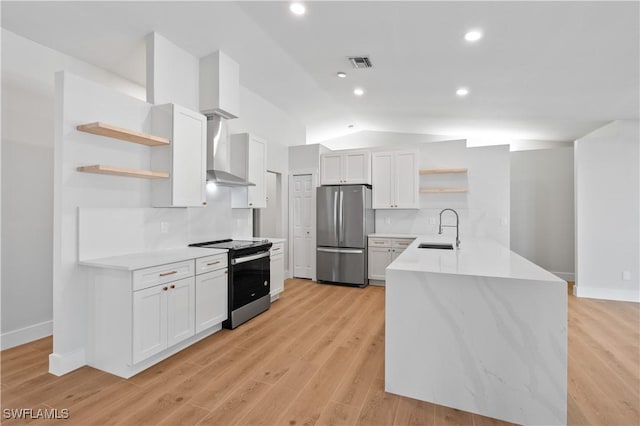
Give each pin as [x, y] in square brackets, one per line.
[250, 276]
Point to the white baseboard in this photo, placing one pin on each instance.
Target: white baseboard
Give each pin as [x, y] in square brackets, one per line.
[60, 364]
[607, 294]
[567, 276]
[26, 335]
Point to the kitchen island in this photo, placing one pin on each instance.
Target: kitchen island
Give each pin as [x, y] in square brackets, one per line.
[479, 329]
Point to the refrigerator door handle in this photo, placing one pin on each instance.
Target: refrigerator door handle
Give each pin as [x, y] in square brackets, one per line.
[341, 225]
[348, 251]
[335, 215]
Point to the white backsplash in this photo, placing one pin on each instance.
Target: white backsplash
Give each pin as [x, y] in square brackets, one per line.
[105, 232]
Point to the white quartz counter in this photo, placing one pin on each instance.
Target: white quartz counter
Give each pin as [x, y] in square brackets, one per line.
[134, 261]
[474, 257]
[382, 235]
[479, 329]
[271, 240]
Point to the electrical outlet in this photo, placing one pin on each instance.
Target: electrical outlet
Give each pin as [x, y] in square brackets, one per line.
[387, 220]
[626, 275]
[503, 221]
[164, 227]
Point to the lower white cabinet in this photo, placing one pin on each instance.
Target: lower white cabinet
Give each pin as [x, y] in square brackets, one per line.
[140, 317]
[211, 299]
[277, 270]
[162, 317]
[383, 251]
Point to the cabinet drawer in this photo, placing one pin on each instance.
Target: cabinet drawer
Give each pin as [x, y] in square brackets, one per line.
[144, 278]
[211, 263]
[401, 243]
[277, 249]
[379, 242]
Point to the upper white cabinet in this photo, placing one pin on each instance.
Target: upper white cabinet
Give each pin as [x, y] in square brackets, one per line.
[348, 167]
[395, 180]
[184, 158]
[249, 161]
[219, 85]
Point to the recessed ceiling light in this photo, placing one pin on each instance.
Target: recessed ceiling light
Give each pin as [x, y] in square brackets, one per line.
[297, 8]
[358, 91]
[462, 91]
[342, 74]
[473, 35]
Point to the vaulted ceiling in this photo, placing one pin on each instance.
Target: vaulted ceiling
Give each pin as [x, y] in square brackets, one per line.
[543, 70]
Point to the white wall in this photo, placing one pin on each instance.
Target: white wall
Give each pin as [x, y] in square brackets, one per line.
[483, 210]
[607, 164]
[172, 73]
[376, 139]
[27, 185]
[27, 193]
[542, 208]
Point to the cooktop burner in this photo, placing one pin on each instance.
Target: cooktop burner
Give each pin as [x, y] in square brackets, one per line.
[231, 244]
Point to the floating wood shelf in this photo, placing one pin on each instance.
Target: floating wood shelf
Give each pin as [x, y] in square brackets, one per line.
[442, 171]
[108, 130]
[121, 171]
[441, 190]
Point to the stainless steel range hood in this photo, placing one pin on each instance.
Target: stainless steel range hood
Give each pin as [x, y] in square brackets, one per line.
[219, 154]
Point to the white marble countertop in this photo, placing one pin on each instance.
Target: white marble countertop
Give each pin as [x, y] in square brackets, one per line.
[483, 258]
[134, 261]
[271, 240]
[383, 235]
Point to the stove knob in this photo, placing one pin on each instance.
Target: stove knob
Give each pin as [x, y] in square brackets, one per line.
[266, 283]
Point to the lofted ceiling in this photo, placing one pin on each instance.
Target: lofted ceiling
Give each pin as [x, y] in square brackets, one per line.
[543, 70]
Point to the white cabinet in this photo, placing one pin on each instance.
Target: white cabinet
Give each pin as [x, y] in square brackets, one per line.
[142, 316]
[396, 180]
[383, 251]
[249, 161]
[343, 168]
[163, 316]
[184, 158]
[211, 291]
[277, 270]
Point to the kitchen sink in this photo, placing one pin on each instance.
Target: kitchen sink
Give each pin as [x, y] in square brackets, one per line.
[439, 246]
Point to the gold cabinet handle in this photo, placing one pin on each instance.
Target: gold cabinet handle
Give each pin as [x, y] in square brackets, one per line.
[172, 286]
[165, 288]
[164, 274]
[274, 249]
[213, 263]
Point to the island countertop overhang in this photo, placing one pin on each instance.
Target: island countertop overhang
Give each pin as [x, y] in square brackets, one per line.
[475, 257]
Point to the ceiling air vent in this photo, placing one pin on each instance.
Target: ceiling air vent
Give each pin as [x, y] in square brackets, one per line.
[360, 61]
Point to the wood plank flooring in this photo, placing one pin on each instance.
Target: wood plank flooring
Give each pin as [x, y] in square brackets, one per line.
[316, 357]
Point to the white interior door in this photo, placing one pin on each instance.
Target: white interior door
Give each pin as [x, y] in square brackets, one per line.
[303, 214]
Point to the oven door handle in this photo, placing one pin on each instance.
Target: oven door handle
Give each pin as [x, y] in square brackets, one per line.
[249, 258]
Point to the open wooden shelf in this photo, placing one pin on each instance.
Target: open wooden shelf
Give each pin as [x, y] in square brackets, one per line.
[441, 190]
[108, 130]
[442, 171]
[121, 171]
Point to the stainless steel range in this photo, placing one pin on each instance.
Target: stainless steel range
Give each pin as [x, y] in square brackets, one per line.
[249, 282]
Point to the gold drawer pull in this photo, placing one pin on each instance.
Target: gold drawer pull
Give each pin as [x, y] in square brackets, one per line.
[164, 274]
[378, 242]
[165, 288]
[172, 286]
[213, 263]
[278, 248]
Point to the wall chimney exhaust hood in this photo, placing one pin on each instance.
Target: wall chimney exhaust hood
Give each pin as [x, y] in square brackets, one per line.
[220, 100]
[219, 154]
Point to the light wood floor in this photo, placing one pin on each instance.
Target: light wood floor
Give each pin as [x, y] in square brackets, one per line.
[316, 357]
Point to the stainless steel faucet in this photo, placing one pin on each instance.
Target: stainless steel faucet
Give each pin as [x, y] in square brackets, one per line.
[451, 226]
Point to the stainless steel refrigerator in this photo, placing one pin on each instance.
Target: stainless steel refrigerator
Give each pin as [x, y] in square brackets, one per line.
[344, 220]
